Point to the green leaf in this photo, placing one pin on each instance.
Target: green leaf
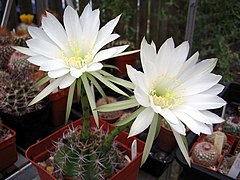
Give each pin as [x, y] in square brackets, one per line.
[96, 84]
[42, 81]
[158, 127]
[119, 105]
[46, 91]
[79, 87]
[182, 146]
[110, 66]
[130, 117]
[150, 138]
[126, 53]
[69, 101]
[90, 96]
[108, 83]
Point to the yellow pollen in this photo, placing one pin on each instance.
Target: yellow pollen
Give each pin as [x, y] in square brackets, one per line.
[77, 61]
[165, 99]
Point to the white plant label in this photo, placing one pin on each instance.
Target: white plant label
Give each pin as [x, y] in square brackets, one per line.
[134, 149]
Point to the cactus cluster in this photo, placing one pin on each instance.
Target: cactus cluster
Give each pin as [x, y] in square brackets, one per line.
[205, 153]
[80, 159]
[232, 125]
[6, 52]
[15, 97]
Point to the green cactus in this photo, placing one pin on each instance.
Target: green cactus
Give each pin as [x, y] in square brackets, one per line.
[15, 97]
[81, 160]
[6, 52]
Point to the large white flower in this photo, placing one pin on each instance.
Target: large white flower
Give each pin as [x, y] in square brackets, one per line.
[66, 54]
[179, 90]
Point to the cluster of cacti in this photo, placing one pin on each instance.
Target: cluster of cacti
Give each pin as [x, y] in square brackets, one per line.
[81, 159]
[6, 52]
[20, 68]
[15, 97]
[205, 153]
[232, 125]
[226, 164]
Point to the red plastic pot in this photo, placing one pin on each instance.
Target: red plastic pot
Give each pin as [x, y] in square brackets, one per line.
[166, 140]
[40, 152]
[8, 152]
[59, 104]
[122, 61]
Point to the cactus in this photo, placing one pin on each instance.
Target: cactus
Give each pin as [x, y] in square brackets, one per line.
[205, 153]
[15, 97]
[20, 40]
[226, 164]
[20, 68]
[232, 125]
[6, 52]
[81, 160]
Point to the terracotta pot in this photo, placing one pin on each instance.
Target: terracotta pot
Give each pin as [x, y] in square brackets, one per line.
[122, 61]
[166, 140]
[40, 152]
[59, 104]
[8, 152]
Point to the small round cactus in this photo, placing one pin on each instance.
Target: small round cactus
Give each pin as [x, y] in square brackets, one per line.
[205, 153]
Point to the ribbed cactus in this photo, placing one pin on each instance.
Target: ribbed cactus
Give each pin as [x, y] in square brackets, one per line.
[88, 160]
[20, 68]
[15, 97]
[6, 52]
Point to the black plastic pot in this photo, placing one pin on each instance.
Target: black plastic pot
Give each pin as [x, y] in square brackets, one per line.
[29, 127]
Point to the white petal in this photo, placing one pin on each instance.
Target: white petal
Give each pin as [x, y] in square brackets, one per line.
[215, 90]
[72, 25]
[108, 53]
[143, 120]
[190, 62]
[213, 118]
[58, 73]
[148, 54]
[204, 101]
[141, 96]
[49, 65]
[169, 116]
[179, 56]
[198, 84]
[44, 48]
[157, 109]
[103, 42]
[67, 81]
[77, 72]
[94, 67]
[195, 126]
[107, 29]
[132, 74]
[38, 33]
[54, 30]
[180, 128]
[37, 60]
[200, 69]
[164, 56]
[24, 50]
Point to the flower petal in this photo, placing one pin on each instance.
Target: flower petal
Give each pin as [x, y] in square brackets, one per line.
[37, 60]
[204, 101]
[141, 97]
[132, 74]
[180, 128]
[77, 72]
[44, 48]
[49, 65]
[24, 50]
[108, 53]
[215, 90]
[169, 116]
[66, 81]
[94, 67]
[58, 72]
[143, 120]
[213, 118]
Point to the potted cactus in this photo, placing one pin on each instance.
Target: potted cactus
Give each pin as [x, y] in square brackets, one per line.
[17, 91]
[8, 152]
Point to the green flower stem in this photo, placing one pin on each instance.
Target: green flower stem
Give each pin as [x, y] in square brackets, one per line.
[86, 116]
[112, 135]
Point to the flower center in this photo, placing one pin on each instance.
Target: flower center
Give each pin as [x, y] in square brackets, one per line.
[77, 61]
[164, 96]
